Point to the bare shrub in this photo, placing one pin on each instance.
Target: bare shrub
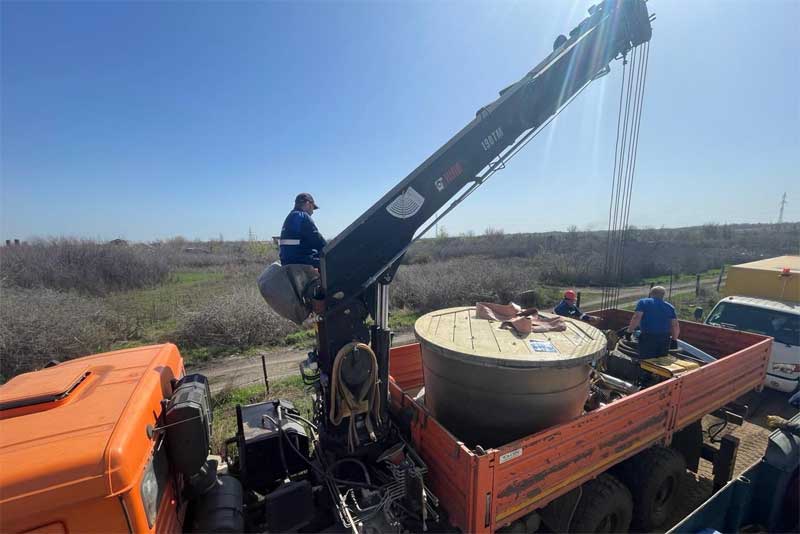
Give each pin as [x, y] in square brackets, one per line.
[577, 257]
[461, 282]
[182, 254]
[85, 266]
[239, 320]
[37, 326]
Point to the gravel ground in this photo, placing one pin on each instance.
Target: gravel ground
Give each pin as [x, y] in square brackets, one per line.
[753, 436]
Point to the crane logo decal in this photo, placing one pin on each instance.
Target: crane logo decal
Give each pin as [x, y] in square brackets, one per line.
[449, 176]
[406, 205]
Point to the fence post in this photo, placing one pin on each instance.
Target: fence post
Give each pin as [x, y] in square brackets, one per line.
[670, 284]
[697, 286]
[578, 300]
[719, 280]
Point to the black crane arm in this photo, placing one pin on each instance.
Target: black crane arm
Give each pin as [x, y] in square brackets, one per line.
[356, 256]
[369, 250]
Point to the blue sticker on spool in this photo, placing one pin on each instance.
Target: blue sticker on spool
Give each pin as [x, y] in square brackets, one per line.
[542, 346]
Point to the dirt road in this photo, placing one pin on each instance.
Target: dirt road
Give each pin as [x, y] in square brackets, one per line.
[238, 370]
[632, 294]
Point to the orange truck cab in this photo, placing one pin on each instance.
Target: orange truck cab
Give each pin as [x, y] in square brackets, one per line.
[80, 448]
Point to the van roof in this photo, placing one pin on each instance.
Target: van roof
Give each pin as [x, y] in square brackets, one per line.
[786, 307]
[774, 264]
[78, 430]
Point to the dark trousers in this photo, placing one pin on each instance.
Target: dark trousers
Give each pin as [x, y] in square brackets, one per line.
[653, 345]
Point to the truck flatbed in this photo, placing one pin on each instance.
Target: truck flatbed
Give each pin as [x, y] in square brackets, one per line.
[484, 491]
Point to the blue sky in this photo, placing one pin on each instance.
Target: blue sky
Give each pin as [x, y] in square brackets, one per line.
[150, 120]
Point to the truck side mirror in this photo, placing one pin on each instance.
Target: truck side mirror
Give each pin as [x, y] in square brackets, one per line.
[698, 314]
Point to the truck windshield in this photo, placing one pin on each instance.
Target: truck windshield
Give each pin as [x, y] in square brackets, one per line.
[784, 327]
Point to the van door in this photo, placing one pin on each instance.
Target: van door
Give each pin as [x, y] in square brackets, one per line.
[783, 372]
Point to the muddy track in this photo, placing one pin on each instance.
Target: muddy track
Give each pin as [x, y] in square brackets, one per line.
[238, 371]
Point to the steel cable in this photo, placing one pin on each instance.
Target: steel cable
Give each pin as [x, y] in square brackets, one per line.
[626, 148]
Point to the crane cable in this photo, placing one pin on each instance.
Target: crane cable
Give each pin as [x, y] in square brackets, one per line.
[629, 118]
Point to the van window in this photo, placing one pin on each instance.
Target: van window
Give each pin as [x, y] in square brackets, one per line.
[784, 327]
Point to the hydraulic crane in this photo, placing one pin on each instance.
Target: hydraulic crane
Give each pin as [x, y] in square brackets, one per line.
[359, 264]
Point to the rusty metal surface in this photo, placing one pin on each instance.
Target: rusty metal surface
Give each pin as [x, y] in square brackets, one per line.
[554, 461]
[721, 382]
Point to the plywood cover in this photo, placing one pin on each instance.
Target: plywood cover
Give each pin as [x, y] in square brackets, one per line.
[463, 335]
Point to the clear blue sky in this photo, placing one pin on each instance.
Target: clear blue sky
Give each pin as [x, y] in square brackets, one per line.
[149, 120]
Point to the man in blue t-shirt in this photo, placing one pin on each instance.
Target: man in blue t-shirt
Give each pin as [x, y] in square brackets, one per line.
[658, 323]
[300, 241]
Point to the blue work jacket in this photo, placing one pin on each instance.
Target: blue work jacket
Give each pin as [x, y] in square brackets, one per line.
[300, 240]
[569, 310]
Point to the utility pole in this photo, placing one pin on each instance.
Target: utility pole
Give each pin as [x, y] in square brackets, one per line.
[783, 203]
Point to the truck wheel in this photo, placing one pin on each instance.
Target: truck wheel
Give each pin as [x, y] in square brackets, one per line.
[654, 477]
[605, 506]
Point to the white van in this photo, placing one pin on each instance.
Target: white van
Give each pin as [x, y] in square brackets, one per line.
[780, 320]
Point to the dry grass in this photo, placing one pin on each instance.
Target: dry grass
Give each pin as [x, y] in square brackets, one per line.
[462, 281]
[203, 295]
[224, 405]
[577, 258]
[85, 266]
[37, 326]
[240, 319]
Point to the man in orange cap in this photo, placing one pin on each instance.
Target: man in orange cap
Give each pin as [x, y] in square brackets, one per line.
[568, 307]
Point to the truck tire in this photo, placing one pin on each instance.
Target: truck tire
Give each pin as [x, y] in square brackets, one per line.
[654, 477]
[605, 506]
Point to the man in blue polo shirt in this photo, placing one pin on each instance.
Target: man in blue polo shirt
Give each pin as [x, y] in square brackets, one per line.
[658, 323]
[300, 241]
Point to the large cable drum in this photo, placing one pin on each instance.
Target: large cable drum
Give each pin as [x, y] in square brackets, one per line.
[489, 385]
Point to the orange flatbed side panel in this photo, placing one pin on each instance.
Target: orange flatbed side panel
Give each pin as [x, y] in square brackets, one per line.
[718, 383]
[550, 463]
[452, 468]
[405, 366]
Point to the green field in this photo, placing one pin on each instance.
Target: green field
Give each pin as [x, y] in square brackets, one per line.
[224, 405]
[156, 309]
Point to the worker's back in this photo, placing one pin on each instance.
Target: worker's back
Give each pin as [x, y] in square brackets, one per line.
[300, 241]
[656, 315]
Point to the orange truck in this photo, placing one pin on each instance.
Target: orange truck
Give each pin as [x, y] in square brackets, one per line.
[119, 442]
[83, 445]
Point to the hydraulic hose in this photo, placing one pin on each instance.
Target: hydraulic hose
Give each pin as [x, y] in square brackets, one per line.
[346, 403]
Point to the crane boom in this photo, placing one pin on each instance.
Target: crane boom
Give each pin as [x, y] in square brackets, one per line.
[366, 254]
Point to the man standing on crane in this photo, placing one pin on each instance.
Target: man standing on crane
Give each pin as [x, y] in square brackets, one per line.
[658, 323]
[568, 307]
[300, 241]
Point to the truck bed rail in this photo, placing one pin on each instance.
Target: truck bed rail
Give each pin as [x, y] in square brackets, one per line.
[483, 492]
